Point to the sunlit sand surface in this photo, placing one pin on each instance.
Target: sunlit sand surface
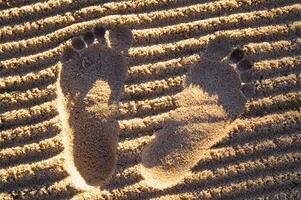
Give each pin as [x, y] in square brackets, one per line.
[153, 111]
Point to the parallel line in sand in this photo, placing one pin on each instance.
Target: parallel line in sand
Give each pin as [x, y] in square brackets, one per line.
[169, 51]
[278, 85]
[149, 89]
[129, 152]
[170, 16]
[31, 63]
[17, 100]
[131, 128]
[133, 145]
[196, 28]
[128, 176]
[242, 166]
[292, 192]
[42, 9]
[27, 174]
[230, 190]
[10, 81]
[29, 80]
[193, 45]
[19, 117]
[274, 49]
[244, 189]
[290, 141]
[230, 173]
[30, 153]
[4, 5]
[249, 151]
[258, 107]
[33, 45]
[220, 157]
[91, 7]
[276, 124]
[148, 107]
[263, 88]
[148, 72]
[13, 81]
[227, 174]
[214, 178]
[266, 183]
[262, 127]
[282, 141]
[99, 11]
[22, 135]
[263, 69]
[268, 105]
[262, 106]
[271, 68]
[52, 23]
[217, 158]
[218, 9]
[49, 191]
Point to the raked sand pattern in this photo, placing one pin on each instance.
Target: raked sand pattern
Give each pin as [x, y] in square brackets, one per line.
[259, 153]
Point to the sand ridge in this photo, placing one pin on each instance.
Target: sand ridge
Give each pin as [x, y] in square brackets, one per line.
[260, 156]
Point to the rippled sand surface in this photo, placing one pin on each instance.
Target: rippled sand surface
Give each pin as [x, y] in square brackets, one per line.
[260, 155]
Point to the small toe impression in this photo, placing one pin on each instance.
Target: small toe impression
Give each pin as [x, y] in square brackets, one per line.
[121, 38]
[218, 48]
[246, 77]
[67, 54]
[248, 89]
[237, 55]
[99, 32]
[77, 43]
[244, 65]
[88, 37]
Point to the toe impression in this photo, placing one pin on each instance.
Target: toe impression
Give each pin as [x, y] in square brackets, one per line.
[237, 55]
[78, 43]
[244, 65]
[99, 32]
[88, 37]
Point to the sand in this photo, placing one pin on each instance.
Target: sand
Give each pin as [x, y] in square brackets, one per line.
[153, 112]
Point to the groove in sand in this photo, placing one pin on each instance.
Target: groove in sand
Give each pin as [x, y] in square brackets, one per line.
[167, 37]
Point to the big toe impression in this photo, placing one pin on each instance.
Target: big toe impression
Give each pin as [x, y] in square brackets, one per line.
[218, 48]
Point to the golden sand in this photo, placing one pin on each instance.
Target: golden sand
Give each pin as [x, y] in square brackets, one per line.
[42, 123]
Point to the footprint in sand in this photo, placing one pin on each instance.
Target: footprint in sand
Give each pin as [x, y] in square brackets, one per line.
[91, 82]
[214, 95]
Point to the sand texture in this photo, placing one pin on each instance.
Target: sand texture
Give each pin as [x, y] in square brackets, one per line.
[155, 107]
